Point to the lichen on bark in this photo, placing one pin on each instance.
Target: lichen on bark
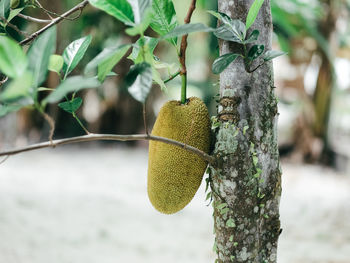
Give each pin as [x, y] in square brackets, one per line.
[247, 179]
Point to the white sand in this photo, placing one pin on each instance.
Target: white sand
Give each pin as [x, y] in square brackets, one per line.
[90, 205]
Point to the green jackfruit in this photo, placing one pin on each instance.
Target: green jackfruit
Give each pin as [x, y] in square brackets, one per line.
[175, 174]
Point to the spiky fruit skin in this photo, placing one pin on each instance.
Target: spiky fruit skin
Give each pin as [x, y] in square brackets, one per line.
[175, 174]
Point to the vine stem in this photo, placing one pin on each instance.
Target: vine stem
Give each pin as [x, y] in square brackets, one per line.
[110, 137]
[55, 21]
[182, 54]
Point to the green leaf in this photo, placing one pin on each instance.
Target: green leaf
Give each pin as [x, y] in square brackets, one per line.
[120, 9]
[74, 53]
[271, 54]
[8, 108]
[139, 81]
[72, 84]
[139, 28]
[105, 67]
[140, 9]
[106, 60]
[72, 105]
[223, 32]
[56, 63]
[238, 28]
[143, 52]
[187, 29]
[39, 56]
[164, 18]
[252, 37]
[255, 51]
[13, 62]
[253, 12]
[18, 88]
[137, 53]
[14, 13]
[231, 30]
[4, 9]
[222, 62]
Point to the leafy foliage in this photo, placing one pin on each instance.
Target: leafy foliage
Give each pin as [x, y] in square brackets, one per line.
[106, 60]
[72, 105]
[71, 84]
[13, 62]
[164, 18]
[74, 53]
[120, 9]
[222, 62]
[253, 12]
[39, 56]
[187, 29]
[139, 81]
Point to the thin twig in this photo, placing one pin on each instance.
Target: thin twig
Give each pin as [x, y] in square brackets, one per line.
[55, 21]
[80, 123]
[144, 117]
[5, 159]
[19, 31]
[172, 77]
[34, 19]
[111, 137]
[40, 6]
[51, 123]
[251, 71]
[3, 81]
[183, 47]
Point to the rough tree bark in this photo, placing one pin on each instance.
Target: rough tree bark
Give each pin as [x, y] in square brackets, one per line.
[246, 184]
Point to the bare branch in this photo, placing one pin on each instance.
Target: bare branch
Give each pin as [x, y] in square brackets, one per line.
[34, 19]
[51, 123]
[14, 27]
[40, 6]
[55, 21]
[110, 137]
[5, 159]
[144, 117]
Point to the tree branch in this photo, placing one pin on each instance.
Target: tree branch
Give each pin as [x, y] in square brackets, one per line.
[183, 47]
[55, 21]
[172, 76]
[14, 27]
[34, 19]
[110, 137]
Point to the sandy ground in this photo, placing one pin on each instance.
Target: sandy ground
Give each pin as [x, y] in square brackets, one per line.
[90, 205]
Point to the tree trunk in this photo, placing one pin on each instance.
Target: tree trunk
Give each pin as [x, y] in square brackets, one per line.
[246, 184]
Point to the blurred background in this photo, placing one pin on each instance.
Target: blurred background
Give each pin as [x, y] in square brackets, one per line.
[88, 202]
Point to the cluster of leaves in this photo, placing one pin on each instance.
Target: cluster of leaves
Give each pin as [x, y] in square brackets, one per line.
[27, 71]
[236, 31]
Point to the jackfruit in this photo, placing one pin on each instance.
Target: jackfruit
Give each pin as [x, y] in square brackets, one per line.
[175, 174]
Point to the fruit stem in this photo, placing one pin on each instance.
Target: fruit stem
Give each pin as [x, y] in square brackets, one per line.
[182, 53]
[183, 88]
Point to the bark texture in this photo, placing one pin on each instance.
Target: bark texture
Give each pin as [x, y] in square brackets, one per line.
[246, 184]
